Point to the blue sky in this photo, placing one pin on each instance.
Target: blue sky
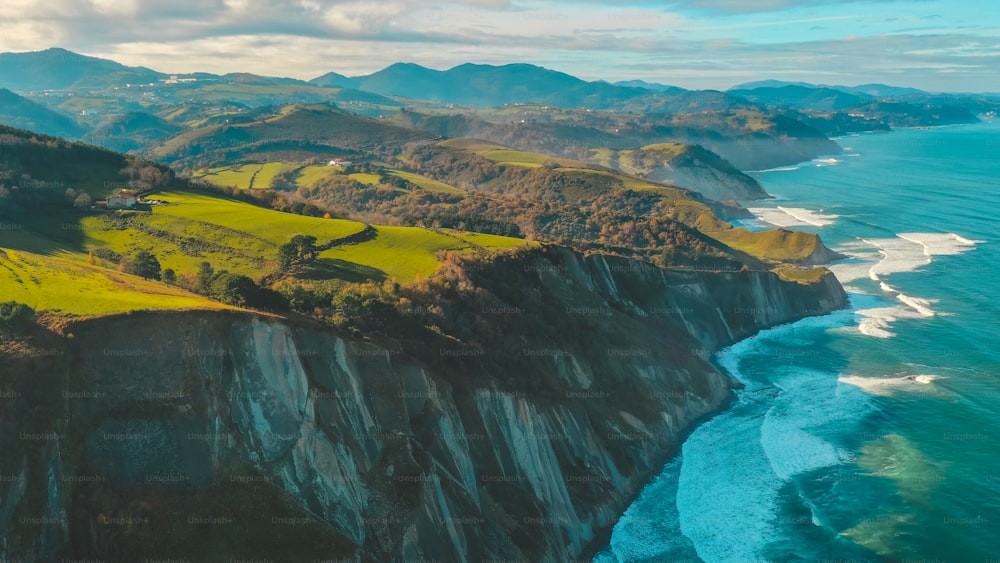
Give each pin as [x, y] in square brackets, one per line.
[933, 44]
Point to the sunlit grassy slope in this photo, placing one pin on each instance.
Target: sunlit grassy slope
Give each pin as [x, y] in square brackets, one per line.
[46, 261]
[67, 286]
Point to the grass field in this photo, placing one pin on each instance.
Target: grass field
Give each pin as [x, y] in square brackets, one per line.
[309, 175]
[245, 176]
[66, 286]
[428, 184]
[272, 226]
[489, 242]
[404, 253]
[195, 227]
[506, 155]
[366, 178]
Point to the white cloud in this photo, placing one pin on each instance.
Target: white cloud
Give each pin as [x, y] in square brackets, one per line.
[611, 40]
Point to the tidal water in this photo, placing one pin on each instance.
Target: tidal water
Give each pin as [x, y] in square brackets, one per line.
[870, 434]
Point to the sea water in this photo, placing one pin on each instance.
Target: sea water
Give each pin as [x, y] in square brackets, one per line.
[871, 434]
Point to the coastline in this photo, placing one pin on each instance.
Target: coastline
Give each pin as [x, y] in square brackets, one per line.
[602, 541]
[787, 393]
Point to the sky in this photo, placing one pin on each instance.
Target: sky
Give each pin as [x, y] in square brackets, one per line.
[937, 45]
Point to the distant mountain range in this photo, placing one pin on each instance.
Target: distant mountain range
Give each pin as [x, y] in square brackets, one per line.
[871, 90]
[486, 85]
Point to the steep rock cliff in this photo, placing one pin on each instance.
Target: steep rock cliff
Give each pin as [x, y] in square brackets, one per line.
[178, 431]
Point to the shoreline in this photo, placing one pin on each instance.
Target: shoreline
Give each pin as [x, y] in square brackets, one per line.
[602, 540]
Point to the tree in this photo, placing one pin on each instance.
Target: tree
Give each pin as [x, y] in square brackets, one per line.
[15, 317]
[300, 250]
[145, 265]
[203, 280]
[82, 201]
[234, 289]
[169, 276]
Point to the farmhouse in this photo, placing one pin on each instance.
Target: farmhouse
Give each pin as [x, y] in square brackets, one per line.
[338, 162]
[122, 201]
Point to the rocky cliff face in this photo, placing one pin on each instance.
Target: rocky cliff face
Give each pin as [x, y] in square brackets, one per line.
[704, 172]
[227, 433]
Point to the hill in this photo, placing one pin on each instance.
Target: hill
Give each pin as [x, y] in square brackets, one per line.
[131, 131]
[59, 69]
[564, 201]
[49, 245]
[687, 166]
[745, 139]
[649, 86]
[17, 111]
[298, 131]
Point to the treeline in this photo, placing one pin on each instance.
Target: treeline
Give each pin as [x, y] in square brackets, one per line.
[37, 171]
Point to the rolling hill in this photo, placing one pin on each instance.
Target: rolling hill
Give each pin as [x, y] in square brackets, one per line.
[22, 113]
[295, 131]
[131, 131]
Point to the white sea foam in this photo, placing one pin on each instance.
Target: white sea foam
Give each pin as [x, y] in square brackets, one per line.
[793, 216]
[780, 169]
[877, 321]
[861, 254]
[886, 386]
[938, 244]
[826, 161]
[735, 465]
[908, 252]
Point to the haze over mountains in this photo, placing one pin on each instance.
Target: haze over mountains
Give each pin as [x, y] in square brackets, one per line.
[198, 118]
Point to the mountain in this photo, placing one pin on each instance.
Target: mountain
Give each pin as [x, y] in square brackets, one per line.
[334, 80]
[769, 84]
[649, 86]
[814, 98]
[22, 113]
[486, 85]
[870, 90]
[59, 69]
[882, 90]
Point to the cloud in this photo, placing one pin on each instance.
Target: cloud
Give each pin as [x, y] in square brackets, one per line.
[595, 40]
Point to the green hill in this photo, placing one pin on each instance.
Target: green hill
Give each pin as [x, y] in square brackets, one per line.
[22, 113]
[130, 131]
[296, 131]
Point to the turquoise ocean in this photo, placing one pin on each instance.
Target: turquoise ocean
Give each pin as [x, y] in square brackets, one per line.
[871, 434]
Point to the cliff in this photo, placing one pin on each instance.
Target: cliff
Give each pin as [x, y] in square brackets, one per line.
[701, 171]
[207, 436]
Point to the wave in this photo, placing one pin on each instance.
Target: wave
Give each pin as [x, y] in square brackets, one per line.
[793, 216]
[735, 465]
[908, 252]
[886, 386]
[778, 169]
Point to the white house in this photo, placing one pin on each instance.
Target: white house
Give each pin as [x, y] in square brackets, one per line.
[122, 201]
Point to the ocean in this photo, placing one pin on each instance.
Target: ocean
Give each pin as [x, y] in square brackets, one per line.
[870, 434]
